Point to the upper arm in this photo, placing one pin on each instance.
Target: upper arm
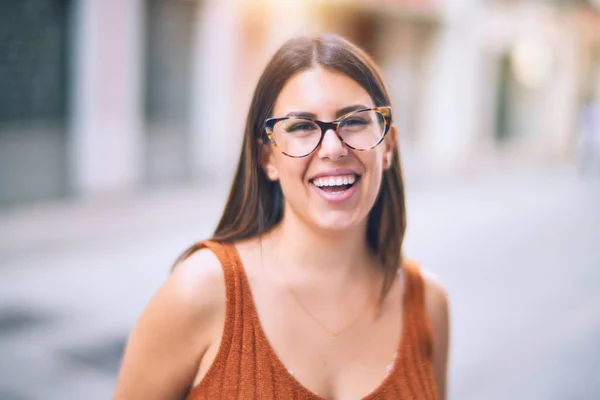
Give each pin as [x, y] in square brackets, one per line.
[167, 342]
[437, 310]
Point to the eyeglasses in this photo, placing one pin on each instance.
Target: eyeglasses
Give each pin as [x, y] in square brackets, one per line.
[359, 130]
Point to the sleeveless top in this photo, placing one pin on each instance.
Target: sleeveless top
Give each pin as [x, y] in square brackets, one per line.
[246, 367]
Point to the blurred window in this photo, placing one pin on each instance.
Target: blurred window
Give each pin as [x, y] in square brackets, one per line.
[34, 87]
[33, 60]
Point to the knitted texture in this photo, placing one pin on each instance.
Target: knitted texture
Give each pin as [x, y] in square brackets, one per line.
[246, 367]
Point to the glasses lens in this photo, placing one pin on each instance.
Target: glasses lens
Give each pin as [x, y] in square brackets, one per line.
[362, 130]
[296, 137]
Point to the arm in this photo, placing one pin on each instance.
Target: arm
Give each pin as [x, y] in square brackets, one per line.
[437, 310]
[168, 341]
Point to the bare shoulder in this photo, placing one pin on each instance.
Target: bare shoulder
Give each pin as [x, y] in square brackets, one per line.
[436, 299]
[194, 292]
[199, 282]
[436, 296]
[177, 326]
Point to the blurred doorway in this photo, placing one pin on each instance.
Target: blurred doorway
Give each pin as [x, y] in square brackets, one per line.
[168, 77]
[502, 131]
[528, 83]
[518, 108]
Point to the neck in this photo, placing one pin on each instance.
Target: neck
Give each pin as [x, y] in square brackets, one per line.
[319, 254]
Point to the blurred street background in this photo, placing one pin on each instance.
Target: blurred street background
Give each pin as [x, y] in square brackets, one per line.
[121, 123]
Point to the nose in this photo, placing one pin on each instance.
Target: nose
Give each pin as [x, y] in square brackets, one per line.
[332, 147]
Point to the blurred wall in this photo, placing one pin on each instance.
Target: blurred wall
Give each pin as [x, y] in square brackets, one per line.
[101, 96]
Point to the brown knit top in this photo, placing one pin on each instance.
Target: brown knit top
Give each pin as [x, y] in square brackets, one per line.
[246, 366]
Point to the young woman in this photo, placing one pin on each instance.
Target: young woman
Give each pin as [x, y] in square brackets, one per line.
[302, 292]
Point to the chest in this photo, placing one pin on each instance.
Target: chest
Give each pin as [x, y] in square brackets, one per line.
[335, 356]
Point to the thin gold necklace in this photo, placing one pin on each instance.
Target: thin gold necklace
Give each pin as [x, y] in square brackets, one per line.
[333, 335]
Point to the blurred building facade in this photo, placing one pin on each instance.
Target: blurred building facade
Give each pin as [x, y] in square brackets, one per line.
[100, 96]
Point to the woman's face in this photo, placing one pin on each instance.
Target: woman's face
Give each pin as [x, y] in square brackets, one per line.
[304, 181]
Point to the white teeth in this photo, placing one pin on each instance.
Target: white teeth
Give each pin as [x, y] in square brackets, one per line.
[334, 180]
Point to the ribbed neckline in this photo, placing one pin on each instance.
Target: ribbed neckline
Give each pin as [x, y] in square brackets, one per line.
[401, 348]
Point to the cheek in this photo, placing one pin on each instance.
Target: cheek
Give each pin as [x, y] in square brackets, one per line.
[291, 172]
[373, 161]
[374, 169]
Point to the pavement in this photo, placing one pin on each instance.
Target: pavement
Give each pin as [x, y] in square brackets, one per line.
[518, 250]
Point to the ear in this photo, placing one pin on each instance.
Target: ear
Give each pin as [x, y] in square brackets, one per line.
[266, 160]
[390, 147]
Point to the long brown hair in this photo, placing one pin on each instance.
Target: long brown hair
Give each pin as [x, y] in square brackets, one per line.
[255, 203]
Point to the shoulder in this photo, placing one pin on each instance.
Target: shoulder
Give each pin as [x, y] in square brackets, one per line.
[436, 302]
[193, 298]
[436, 297]
[193, 292]
[434, 293]
[197, 283]
[172, 334]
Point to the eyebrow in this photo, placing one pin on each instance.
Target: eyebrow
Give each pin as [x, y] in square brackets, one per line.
[338, 114]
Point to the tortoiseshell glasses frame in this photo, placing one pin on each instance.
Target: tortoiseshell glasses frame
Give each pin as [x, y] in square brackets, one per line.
[385, 112]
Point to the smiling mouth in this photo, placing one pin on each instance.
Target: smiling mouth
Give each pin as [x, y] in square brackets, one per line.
[335, 184]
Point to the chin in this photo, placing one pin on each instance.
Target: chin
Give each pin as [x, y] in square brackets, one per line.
[337, 222]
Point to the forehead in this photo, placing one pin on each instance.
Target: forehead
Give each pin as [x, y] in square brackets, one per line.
[321, 92]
